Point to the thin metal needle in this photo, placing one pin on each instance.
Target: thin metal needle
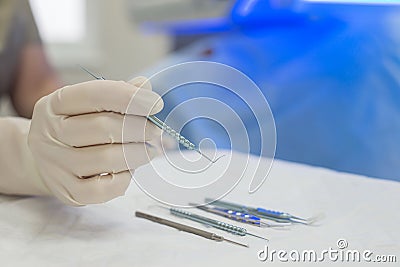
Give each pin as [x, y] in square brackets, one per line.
[257, 236]
[204, 155]
[91, 73]
[236, 243]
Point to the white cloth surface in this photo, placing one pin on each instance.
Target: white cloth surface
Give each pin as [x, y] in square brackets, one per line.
[44, 232]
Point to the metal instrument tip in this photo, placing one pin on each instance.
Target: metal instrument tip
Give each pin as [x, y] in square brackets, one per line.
[209, 159]
[236, 243]
[266, 239]
[91, 73]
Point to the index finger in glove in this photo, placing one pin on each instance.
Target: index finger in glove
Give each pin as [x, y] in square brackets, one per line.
[141, 82]
[105, 128]
[100, 95]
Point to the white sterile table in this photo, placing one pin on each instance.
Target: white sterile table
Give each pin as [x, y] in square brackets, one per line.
[362, 211]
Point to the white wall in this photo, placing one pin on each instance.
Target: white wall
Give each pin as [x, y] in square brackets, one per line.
[117, 47]
[120, 48]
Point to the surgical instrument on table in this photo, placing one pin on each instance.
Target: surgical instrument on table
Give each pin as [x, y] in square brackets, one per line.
[277, 216]
[163, 126]
[236, 230]
[187, 228]
[239, 216]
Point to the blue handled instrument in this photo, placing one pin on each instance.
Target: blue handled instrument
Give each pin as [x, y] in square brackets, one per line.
[239, 216]
[278, 216]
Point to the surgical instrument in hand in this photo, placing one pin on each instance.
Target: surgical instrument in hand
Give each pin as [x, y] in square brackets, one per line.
[163, 126]
[187, 228]
[239, 216]
[236, 230]
[277, 216]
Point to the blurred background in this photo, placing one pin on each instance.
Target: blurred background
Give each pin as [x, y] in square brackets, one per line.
[330, 69]
[108, 36]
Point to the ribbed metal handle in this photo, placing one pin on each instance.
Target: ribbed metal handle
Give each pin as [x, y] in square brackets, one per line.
[236, 230]
[174, 134]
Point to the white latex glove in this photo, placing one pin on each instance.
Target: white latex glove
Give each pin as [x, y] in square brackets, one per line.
[76, 135]
[166, 142]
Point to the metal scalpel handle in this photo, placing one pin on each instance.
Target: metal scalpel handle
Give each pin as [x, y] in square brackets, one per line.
[180, 227]
[186, 228]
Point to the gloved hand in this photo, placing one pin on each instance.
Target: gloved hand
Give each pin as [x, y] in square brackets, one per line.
[76, 135]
